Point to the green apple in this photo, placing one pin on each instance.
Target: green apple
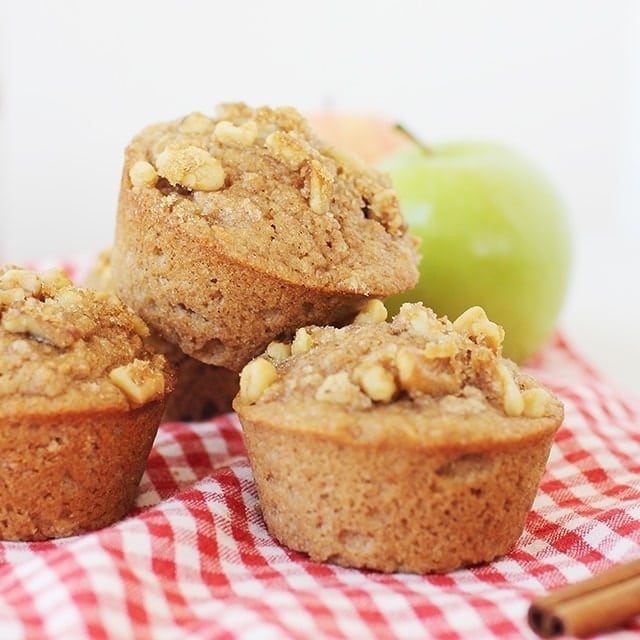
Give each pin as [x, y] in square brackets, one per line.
[494, 233]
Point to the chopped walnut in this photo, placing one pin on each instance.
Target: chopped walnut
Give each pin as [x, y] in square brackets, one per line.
[18, 284]
[143, 174]
[196, 123]
[26, 281]
[70, 298]
[536, 402]
[48, 322]
[347, 161]
[257, 376]
[243, 135]
[278, 351]
[190, 167]
[376, 381]
[302, 342]
[235, 112]
[417, 358]
[418, 374]
[474, 324]
[384, 207]
[421, 322]
[441, 347]
[15, 321]
[512, 399]
[288, 149]
[338, 388]
[320, 187]
[53, 280]
[9, 296]
[138, 381]
[287, 119]
[373, 312]
[58, 343]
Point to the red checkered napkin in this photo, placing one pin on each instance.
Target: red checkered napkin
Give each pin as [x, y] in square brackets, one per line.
[194, 559]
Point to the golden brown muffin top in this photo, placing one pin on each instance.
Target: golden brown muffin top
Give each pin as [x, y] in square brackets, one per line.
[420, 376]
[262, 188]
[65, 348]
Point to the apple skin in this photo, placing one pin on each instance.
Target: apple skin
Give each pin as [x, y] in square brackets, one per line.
[494, 233]
[369, 136]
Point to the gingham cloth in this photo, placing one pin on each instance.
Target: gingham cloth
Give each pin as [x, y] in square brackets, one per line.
[194, 560]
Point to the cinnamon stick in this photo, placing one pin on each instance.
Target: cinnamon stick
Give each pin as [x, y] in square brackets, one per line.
[604, 601]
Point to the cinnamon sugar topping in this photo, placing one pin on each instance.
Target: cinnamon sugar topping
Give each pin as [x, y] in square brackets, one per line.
[59, 343]
[417, 357]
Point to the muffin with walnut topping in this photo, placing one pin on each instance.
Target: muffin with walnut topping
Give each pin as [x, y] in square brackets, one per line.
[409, 445]
[81, 396]
[201, 390]
[237, 229]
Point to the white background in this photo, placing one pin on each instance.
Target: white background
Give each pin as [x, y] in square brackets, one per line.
[558, 79]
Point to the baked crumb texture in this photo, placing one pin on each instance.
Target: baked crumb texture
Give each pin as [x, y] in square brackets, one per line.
[409, 445]
[201, 390]
[81, 397]
[237, 228]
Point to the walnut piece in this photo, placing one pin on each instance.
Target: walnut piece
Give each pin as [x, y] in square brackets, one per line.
[418, 375]
[53, 280]
[421, 321]
[512, 399]
[42, 306]
[441, 347]
[417, 357]
[384, 207]
[373, 312]
[48, 321]
[376, 381]
[26, 281]
[69, 298]
[196, 124]
[320, 187]
[143, 174]
[289, 150]
[338, 388]
[474, 324]
[138, 381]
[278, 351]
[9, 296]
[190, 167]
[59, 343]
[348, 161]
[243, 135]
[257, 376]
[13, 321]
[302, 342]
[17, 284]
[536, 402]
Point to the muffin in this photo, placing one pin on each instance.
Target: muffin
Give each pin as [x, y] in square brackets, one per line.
[81, 397]
[202, 390]
[409, 445]
[235, 230]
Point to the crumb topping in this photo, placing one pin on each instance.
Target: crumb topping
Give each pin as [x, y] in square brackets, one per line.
[60, 346]
[417, 359]
[270, 191]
